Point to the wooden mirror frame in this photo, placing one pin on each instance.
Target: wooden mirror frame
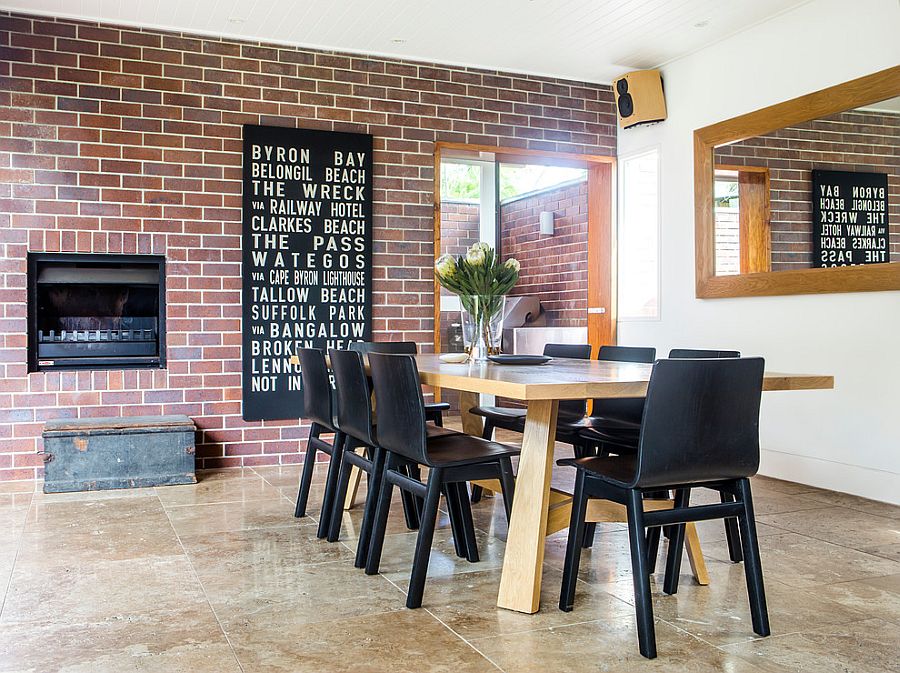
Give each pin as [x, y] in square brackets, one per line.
[840, 98]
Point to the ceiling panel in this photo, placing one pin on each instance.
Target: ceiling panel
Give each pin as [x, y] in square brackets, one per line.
[592, 40]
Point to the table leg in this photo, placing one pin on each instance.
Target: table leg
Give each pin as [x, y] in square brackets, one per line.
[355, 478]
[520, 583]
[471, 424]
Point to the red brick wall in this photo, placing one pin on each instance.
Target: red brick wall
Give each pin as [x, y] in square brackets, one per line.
[460, 226]
[554, 268]
[125, 140]
[849, 141]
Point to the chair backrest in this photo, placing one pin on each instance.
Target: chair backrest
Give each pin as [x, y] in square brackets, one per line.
[401, 407]
[625, 408]
[575, 351]
[353, 397]
[701, 422]
[627, 354]
[682, 353]
[393, 347]
[316, 386]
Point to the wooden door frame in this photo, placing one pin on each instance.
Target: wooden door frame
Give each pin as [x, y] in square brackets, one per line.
[754, 213]
[601, 300]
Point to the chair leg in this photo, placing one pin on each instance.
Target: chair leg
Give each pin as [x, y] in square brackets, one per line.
[424, 539]
[573, 545]
[379, 525]
[508, 485]
[488, 434]
[590, 530]
[339, 493]
[453, 509]
[732, 534]
[410, 503]
[331, 478]
[309, 464]
[752, 565]
[372, 490]
[468, 526]
[643, 603]
[676, 544]
[438, 418]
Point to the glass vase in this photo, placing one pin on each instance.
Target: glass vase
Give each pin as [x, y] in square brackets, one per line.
[482, 325]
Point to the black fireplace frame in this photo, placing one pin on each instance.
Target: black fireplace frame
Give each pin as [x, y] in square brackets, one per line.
[155, 362]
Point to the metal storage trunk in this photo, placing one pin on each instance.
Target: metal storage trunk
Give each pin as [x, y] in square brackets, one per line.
[103, 453]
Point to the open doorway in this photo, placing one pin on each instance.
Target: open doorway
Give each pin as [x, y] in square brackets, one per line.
[552, 212]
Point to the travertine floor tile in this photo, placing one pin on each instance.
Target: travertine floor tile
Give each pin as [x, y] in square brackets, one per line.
[109, 542]
[255, 548]
[397, 557]
[606, 645]
[101, 590]
[407, 641]
[846, 527]
[217, 491]
[217, 517]
[467, 603]
[720, 612]
[277, 597]
[52, 516]
[804, 562]
[869, 646]
[876, 596]
[181, 640]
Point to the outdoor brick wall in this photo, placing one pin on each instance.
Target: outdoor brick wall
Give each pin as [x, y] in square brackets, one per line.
[460, 226]
[126, 140]
[554, 268]
[849, 141]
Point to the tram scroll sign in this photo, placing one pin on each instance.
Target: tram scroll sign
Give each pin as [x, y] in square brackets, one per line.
[307, 257]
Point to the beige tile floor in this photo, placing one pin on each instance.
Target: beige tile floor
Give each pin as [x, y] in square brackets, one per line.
[220, 577]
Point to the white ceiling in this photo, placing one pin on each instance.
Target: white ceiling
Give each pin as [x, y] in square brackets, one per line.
[591, 40]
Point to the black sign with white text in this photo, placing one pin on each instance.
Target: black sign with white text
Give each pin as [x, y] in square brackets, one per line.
[307, 257]
[850, 224]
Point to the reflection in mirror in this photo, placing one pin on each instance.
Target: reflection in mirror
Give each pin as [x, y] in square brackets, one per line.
[817, 194]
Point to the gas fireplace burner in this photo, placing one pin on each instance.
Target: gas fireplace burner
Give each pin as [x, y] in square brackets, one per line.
[90, 311]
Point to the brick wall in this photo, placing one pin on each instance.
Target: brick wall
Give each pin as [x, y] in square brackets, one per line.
[849, 141]
[460, 226]
[554, 268]
[126, 140]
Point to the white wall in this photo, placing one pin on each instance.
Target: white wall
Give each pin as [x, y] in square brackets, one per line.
[847, 439]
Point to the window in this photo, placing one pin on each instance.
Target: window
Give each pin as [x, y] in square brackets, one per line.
[638, 238]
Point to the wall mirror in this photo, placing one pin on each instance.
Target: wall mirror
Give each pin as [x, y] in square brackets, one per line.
[803, 196]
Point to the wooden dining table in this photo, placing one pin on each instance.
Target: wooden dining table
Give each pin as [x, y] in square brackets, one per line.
[541, 387]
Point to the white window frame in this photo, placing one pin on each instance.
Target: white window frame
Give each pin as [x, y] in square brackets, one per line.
[487, 197]
[650, 149]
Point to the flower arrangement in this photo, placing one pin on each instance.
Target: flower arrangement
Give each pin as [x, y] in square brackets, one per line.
[482, 281]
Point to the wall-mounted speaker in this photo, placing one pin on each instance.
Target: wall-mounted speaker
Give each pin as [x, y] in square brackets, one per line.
[639, 98]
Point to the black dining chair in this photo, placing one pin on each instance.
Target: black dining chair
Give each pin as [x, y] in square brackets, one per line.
[354, 418]
[613, 414]
[513, 418]
[700, 429]
[433, 410]
[317, 403]
[452, 460]
[624, 439]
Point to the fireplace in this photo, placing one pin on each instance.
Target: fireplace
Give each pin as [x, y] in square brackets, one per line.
[89, 311]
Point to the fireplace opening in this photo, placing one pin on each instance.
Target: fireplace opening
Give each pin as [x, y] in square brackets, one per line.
[88, 311]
